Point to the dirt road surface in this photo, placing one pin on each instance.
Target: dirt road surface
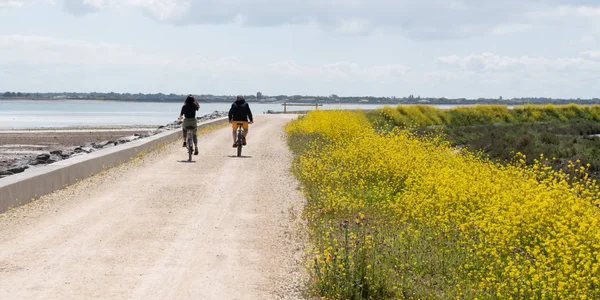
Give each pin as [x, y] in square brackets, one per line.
[220, 228]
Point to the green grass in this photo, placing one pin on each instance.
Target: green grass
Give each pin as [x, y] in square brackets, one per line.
[422, 115]
[560, 141]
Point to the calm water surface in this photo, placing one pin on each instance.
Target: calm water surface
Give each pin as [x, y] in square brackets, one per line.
[44, 114]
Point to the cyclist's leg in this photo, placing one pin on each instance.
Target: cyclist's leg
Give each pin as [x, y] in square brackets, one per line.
[190, 122]
[245, 132]
[234, 133]
[195, 136]
[184, 135]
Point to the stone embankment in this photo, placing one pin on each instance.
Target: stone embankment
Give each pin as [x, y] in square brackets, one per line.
[50, 157]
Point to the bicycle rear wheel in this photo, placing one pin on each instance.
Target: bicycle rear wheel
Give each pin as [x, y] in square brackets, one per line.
[190, 143]
[239, 143]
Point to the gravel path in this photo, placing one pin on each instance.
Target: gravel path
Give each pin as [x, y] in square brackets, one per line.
[220, 228]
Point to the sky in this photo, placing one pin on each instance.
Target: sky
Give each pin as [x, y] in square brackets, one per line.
[427, 48]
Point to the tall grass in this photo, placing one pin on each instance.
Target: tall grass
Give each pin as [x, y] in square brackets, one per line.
[421, 115]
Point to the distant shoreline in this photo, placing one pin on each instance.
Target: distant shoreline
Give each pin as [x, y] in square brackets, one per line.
[145, 101]
[331, 102]
[63, 100]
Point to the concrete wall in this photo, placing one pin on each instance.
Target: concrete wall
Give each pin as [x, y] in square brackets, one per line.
[19, 189]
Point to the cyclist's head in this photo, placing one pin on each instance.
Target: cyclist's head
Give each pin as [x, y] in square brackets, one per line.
[190, 99]
[240, 98]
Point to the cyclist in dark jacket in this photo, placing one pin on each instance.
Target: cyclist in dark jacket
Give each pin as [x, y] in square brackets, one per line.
[189, 110]
[240, 113]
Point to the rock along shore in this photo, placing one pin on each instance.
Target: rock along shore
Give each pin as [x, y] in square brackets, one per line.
[49, 157]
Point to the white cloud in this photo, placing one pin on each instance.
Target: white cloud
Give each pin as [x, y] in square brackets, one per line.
[488, 74]
[32, 50]
[289, 68]
[591, 54]
[392, 70]
[511, 28]
[571, 11]
[35, 54]
[537, 34]
[8, 4]
[342, 71]
[355, 27]
[444, 75]
[583, 40]
[16, 4]
[489, 62]
[587, 39]
[40, 51]
[418, 19]
[583, 16]
[160, 9]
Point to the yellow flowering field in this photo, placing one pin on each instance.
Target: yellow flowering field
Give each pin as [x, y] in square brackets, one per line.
[393, 215]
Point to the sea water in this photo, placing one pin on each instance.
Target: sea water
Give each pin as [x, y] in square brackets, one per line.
[15, 114]
[90, 113]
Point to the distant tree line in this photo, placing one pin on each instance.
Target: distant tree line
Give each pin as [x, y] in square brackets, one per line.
[14, 95]
[332, 99]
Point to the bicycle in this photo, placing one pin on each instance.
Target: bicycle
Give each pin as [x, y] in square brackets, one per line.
[240, 136]
[190, 140]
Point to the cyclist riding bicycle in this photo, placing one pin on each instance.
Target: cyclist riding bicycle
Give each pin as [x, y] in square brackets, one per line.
[189, 111]
[240, 113]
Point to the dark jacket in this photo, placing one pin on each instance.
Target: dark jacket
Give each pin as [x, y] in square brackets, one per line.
[189, 110]
[240, 111]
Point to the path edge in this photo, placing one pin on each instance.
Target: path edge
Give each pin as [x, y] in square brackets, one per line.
[20, 189]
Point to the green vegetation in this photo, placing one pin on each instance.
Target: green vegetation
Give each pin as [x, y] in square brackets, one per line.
[560, 141]
[421, 115]
[561, 133]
